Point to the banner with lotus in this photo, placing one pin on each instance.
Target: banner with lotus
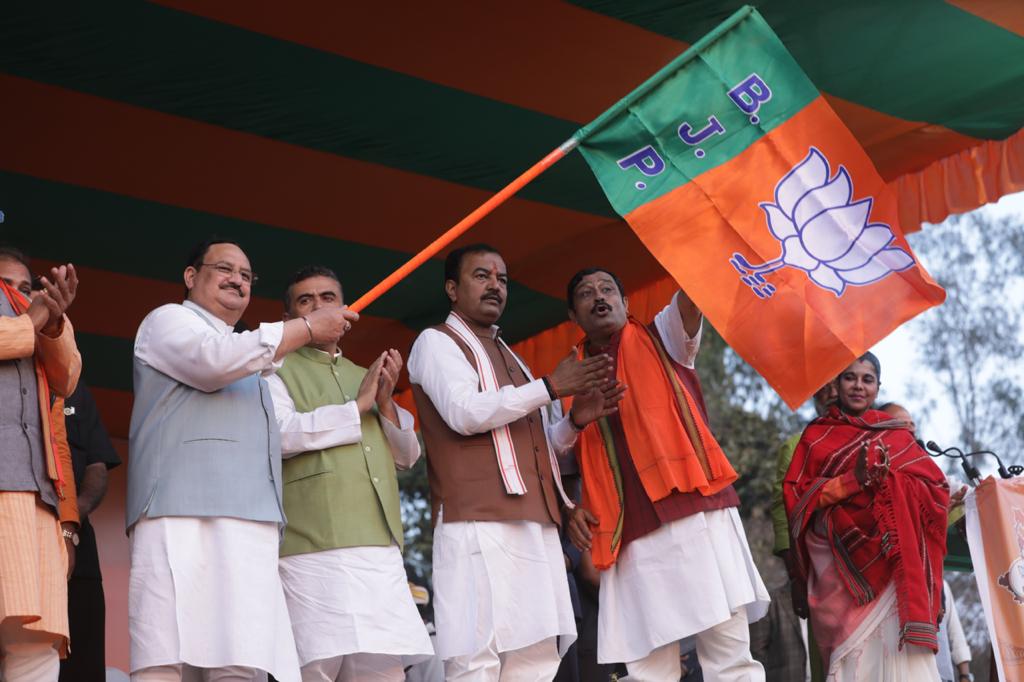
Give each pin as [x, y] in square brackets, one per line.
[737, 175]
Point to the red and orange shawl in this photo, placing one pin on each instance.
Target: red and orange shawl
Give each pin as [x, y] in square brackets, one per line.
[893, 531]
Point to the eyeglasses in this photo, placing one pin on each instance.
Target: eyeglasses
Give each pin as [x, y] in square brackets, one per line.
[248, 276]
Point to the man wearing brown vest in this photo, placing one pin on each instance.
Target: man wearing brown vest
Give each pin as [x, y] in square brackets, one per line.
[501, 597]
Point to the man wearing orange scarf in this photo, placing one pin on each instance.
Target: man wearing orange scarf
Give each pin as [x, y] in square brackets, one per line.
[659, 511]
[38, 512]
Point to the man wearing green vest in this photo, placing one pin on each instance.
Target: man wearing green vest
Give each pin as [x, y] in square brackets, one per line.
[342, 436]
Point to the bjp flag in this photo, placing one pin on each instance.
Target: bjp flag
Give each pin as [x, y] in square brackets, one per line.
[995, 534]
[745, 185]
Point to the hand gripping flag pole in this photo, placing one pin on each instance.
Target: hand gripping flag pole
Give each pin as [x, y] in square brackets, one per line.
[531, 174]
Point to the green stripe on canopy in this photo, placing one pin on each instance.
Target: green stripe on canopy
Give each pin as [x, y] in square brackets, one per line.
[920, 60]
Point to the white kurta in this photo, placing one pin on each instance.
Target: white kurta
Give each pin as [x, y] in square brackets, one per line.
[205, 591]
[685, 577]
[515, 571]
[953, 648]
[351, 599]
[515, 568]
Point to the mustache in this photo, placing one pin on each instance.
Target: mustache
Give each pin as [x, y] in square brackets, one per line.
[600, 303]
[232, 286]
[492, 296]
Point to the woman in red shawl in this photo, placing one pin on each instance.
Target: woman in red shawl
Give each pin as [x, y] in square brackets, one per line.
[867, 516]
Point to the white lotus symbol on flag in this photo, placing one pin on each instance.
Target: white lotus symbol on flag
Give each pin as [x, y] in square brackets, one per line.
[823, 232]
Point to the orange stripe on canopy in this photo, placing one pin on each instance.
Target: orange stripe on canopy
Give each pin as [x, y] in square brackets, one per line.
[962, 182]
[116, 409]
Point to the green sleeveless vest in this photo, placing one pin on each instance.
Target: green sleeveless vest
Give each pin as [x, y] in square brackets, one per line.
[345, 496]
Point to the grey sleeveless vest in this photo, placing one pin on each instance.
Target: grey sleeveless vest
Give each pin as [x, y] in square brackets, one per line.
[23, 464]
[192, 453]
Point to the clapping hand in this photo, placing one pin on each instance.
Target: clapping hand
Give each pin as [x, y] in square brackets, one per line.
[391, 368]
[573, 376]
[59, 292]
[596, 403]
[370, 385]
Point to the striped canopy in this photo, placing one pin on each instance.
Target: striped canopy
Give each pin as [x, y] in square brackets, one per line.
[351, 134]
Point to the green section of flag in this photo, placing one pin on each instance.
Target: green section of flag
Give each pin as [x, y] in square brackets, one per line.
[694, 90]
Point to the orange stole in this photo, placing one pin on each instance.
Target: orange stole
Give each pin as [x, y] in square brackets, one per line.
[669, 443]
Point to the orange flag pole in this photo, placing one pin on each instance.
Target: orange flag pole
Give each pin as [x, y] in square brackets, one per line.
[463, 225]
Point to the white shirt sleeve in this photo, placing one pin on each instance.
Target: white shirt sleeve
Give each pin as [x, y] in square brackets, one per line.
[405, 446]
[680, 345]
[438, 366]
[959, 650]
[325, 427]
[562, 435]
[176, 341]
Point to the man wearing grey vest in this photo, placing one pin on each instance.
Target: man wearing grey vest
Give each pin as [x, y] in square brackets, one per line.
[38, 512]
[502, 604]
[342, 436]
[204, 480]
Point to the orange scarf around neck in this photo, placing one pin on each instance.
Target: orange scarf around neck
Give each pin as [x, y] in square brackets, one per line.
[669, 443]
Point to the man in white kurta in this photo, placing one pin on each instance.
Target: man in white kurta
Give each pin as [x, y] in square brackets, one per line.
[203, 510]
[502, 602]
[352, 612]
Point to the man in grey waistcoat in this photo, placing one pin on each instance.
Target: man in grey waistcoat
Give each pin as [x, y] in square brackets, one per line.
[204, 508]
[39, 362]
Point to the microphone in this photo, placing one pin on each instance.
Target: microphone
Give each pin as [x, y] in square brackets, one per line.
[1003, 473]
[971, 471]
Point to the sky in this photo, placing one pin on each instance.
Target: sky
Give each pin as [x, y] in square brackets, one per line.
[901, 364]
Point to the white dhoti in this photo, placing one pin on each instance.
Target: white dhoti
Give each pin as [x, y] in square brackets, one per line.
[353, 600]
[686, 577]
[205, 592]
[872, 654]
[501, 587]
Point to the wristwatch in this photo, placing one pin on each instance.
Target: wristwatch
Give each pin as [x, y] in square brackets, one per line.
[70, 535]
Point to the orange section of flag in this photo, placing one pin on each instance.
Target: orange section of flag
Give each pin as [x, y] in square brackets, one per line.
[796, 332]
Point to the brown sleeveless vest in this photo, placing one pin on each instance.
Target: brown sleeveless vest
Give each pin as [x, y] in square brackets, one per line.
[463, 470]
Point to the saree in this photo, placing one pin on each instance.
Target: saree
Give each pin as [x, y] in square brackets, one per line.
[890, 534]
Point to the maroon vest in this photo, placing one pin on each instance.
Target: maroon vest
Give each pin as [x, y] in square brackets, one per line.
[463, 470]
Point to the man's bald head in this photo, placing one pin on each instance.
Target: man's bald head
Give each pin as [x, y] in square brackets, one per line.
[897, 411]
